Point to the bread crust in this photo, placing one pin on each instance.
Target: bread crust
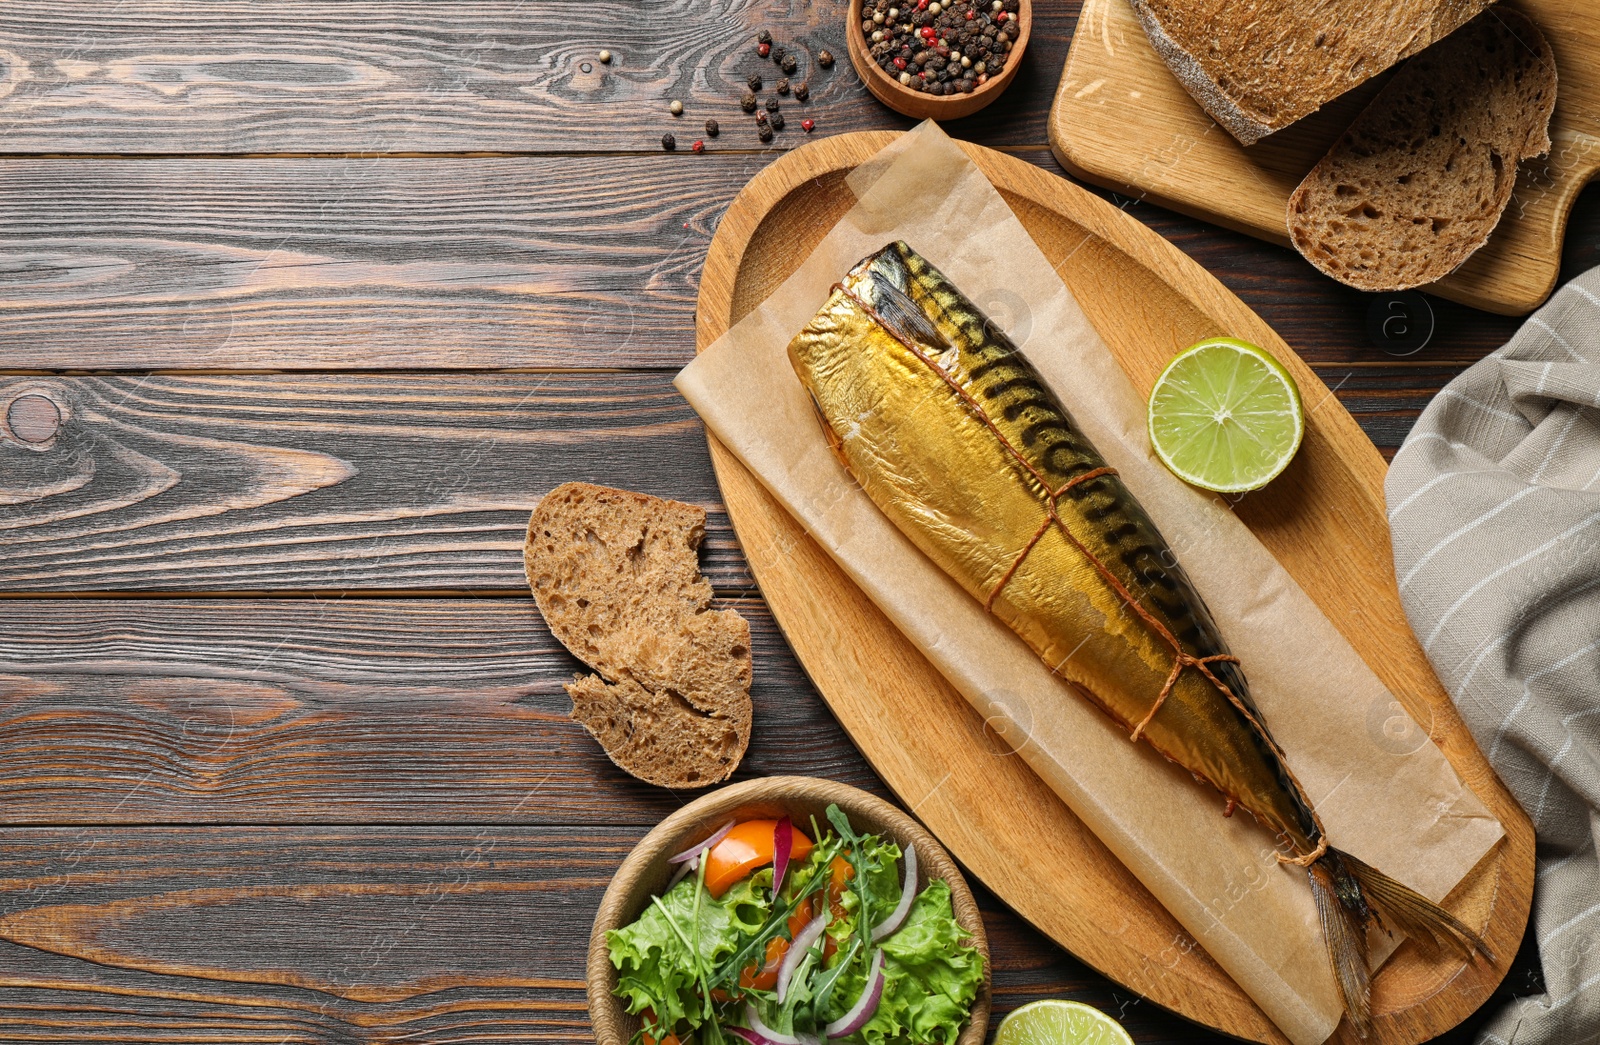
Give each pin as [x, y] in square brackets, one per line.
[616, 576]
[1200, 86]
[1257, 66]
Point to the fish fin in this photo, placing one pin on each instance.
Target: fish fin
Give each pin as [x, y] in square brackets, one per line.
[1344, 931]
[1400, 907]
[903, 317]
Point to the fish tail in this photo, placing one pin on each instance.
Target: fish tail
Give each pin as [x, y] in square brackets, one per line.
[1351, 895]
[1405, 909]
[1343, 911]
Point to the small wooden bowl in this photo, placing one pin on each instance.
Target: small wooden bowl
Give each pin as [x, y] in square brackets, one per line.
[922, 106]
[645, 873]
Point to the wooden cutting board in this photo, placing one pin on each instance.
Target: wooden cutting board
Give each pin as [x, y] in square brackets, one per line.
[1323, 519]
[1122, 120]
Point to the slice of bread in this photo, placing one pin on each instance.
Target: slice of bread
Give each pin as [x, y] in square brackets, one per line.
[1420, 180]
[1259, 65]
[617, 578]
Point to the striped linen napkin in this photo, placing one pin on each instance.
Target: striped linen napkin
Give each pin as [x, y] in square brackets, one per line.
[1494, 506]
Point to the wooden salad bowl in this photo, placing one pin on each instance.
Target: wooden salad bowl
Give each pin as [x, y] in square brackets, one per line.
[645, 873]
[921, 106]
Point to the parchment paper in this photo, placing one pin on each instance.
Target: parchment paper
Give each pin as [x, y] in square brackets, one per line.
[1384, 792]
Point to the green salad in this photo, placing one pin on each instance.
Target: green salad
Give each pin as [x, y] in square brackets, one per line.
[843, 949]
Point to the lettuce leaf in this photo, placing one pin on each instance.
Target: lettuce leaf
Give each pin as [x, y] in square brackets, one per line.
[657, 971]
[930, 978]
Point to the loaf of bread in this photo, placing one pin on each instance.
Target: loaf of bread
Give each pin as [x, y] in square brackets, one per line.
[1259, 65]
[1421, 178]
[617, 578]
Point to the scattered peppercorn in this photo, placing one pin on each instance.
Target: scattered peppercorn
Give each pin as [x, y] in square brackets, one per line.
[807, 125]
[668, 142]
[782, 86]
[747, 101]
[763, 49]
[754, 82]
[764, 133]
[712, 130]
[698, 146]
[825, 59]
[605, 57]
[763, 37]
[789, 65]
[761, 117]
[772, 105]
[779, 54]
[675, 107]
[777, 121]
[802, 90]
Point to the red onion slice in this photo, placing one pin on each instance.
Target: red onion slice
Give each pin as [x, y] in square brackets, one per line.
[907, 894]
[797, 950]
[695, 850]
[782, 845]
[683, 869]
[865, 1005]
[748, 1035]
[752, 1017]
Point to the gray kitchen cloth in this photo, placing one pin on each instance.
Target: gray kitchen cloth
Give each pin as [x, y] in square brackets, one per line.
[1494, 508]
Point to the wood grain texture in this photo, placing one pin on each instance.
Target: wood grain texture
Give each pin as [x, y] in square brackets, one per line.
[347, 935]
[1323, 520]
[339, 711]
[306, 264]
[1122, 119]
[316, 76]
[350, 482]
[330, 483]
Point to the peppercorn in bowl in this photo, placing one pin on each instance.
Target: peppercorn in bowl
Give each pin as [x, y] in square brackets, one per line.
[931, 59]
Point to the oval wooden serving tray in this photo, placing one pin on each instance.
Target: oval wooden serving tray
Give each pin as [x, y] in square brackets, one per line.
[1323, 519]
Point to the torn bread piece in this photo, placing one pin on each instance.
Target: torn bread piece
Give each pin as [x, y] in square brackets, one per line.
[617, 577]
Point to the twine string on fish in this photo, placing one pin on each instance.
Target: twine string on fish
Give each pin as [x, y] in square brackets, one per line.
[1181, 657]
[1050, 517]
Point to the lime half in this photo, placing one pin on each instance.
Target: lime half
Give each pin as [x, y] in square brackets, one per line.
[1056, 1021]
[1225, 416]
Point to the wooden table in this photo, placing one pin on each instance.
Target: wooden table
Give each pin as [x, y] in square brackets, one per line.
[303, 305]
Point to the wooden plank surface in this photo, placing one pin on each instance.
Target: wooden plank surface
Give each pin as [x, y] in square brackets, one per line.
[195, 252]
[349, 934]
[349, 263]
[145, 76]
[362, 482]
[408, 711]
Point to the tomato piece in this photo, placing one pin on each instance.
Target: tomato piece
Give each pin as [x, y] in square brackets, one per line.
[766, 977]
[746, 849]
[649, 1017]
[800, 918]
[839, 874]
